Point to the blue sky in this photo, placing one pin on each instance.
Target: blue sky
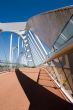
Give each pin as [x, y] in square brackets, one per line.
[22, 10]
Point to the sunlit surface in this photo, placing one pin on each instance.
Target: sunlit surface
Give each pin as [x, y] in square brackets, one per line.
[36, 62]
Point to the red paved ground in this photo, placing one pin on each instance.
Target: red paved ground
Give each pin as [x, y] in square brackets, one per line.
[13, 96]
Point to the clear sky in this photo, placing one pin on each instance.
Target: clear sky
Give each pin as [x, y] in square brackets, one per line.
[22, 10]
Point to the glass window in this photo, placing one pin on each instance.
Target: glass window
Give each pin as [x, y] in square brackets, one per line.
[60, 41]
[65, 35]
[68, 31]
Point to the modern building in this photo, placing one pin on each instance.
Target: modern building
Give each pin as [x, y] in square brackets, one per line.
[40, 77]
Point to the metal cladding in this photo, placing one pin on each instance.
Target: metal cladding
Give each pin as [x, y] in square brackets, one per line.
[48, 26]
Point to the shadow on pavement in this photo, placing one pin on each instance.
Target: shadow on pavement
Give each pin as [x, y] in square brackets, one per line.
[39, 97]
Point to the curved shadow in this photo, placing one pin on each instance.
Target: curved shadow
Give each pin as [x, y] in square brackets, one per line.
[39, 97]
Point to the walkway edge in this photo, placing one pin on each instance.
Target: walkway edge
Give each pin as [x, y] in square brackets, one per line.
[62, 88]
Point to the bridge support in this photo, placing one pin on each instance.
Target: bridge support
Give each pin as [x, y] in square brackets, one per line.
[10, 54]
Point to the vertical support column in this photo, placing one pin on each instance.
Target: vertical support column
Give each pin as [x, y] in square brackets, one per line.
[10, 54]
[18, 44]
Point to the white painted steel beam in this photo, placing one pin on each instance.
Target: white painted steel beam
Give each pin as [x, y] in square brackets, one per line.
[12, 27]
[10, 53]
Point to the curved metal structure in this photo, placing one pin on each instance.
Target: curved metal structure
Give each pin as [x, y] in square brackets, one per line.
[55, 29]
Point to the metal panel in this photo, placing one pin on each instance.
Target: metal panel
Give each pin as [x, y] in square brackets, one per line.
[48, 26]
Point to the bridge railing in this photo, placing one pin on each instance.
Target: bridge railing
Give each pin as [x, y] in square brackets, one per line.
[6, 66]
